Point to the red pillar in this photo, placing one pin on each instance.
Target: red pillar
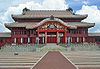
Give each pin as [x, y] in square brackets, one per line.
[57, 38]
[65, 37]
[45, 37]
[38, 36]
[37, 33]
[33, 39]
[73, 40]
[19, 40]
[25, 40]
[79, 39]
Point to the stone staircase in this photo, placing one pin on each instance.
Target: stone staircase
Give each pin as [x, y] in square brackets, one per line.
[17, 48]
[84, 59]
[52, 47]
[24, 60]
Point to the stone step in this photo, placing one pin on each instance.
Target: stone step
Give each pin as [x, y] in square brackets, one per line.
[76, 60]
[17, 64]
[18, 61]
[15, 67]
[86, 63]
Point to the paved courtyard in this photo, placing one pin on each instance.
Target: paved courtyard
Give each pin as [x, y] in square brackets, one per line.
[26, 60]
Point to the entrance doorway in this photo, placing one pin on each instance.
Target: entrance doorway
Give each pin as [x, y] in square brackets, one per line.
[51, 40]
[51, 37]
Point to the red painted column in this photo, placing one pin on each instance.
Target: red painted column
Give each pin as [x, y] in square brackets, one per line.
[79, 39]
[57, 38]
[33, 40]
[45, 37]
[38, 36]
[26, 40]
[65, 37]
[19, 40]
[16, 40]
[73, 39]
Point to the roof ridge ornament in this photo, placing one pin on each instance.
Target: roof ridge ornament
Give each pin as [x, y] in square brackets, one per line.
[25, 10]
[51, 17]
[71, 10]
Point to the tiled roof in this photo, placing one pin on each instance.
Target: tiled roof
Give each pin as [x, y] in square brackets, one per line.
[81, 24]
[25, 24]
[5, 34]
[33, 25]
[93, 34]
[48, 13]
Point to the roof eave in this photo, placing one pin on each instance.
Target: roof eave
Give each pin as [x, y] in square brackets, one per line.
[22, 17]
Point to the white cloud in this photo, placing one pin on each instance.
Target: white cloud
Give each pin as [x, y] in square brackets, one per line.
[54, 4]
[93, 16]
[93, 13]
[3, 29]
[46, 4]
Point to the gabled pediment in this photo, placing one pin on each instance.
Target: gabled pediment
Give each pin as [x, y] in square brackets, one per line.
[58, 23]
[52, 25]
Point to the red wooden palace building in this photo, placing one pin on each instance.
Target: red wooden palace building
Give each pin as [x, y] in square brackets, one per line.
[49, 26]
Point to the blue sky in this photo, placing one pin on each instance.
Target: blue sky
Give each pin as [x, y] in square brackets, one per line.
[90, 7]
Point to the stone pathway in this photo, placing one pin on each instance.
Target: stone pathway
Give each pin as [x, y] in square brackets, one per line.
[54, 60]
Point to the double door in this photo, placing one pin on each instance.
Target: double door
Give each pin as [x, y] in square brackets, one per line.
[51, 39]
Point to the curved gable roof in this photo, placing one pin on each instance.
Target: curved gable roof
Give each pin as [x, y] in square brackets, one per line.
[57, 20]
